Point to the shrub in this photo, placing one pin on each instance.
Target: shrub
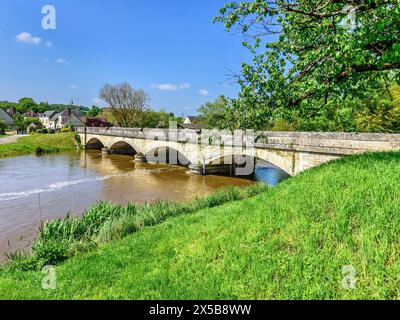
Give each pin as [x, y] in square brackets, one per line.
[45, 131]
[3, 127]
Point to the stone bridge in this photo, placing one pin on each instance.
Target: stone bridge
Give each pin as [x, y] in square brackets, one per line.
[207, 152]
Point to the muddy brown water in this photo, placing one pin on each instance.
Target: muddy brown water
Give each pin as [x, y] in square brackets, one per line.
[35, 189]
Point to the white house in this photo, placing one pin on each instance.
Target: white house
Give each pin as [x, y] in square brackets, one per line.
[66, 118]
[189, 120]
[45, 118]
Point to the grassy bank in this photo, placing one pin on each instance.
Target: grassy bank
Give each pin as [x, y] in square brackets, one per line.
[44, 143]
[289, 242]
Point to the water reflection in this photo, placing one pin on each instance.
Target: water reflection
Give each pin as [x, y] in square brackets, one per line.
[34, 189]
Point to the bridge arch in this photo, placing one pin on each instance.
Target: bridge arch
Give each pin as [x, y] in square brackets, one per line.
[168, 155]
[282, 160]
[122, 147]
[94, 144]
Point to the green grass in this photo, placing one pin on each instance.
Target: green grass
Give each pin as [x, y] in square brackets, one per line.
[46, 143]
[290, 242]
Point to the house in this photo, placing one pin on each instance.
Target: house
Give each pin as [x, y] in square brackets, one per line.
[98, 122]
[6, 117]
[13, 112]
[34, 126]
[67, 118]
[31, 114]
[194, 126]
[190, 120]
[45, 118]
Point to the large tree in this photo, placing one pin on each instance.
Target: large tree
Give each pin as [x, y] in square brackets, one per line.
[307, 52]
[126, 104]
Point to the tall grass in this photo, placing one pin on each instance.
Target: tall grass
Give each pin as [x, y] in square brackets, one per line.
[62, 239]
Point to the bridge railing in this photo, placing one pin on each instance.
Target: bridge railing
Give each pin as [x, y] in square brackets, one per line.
[316, 142]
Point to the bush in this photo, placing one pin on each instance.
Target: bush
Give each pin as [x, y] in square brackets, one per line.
[3, 127]
[52, 131]
[45, 131]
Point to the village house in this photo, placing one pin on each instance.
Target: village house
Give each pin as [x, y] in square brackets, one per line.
[67, 118]
[13, 112]
[31, 114]
[45, 118]
[6, 117]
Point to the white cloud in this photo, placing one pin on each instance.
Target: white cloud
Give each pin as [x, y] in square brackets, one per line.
[49, 44]
[171, 86]
[97, 101]
[73, 87]
[26, 37]
[61, 61]
[203, 92]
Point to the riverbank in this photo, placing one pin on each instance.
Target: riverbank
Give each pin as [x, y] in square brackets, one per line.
[298, 240]
[42, 143]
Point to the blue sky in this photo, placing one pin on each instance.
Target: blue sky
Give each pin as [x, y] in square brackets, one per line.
[171, 49]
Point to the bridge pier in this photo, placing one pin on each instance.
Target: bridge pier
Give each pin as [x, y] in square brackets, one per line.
[140, 157]
[217, 169]
[105, 150]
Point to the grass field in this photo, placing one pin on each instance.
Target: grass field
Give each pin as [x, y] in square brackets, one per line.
[48, 143]
[289, 242]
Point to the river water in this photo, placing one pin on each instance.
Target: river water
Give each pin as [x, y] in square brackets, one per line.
[34, 189]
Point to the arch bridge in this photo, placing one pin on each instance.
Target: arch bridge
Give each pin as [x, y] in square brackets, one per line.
[206, 152]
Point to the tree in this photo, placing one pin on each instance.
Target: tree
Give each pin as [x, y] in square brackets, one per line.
[3, 127]
[20, 123]
[125, 103]
[94, 112]
[215, 114]
[309, 52]
[26, 104]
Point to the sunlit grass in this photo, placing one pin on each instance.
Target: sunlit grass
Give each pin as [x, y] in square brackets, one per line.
[290, 242]
[42, 143]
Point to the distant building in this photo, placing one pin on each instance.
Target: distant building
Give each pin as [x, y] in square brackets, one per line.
[33, 127]
[6, 117]
[194, 126]
[31, 114]
[190, 120]
[60, 120]
[45, 118]
[97, 122]
[13, 112]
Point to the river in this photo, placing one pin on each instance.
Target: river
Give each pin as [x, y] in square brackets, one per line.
[34, 189]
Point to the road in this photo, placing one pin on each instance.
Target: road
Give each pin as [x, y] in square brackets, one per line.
[11, 138]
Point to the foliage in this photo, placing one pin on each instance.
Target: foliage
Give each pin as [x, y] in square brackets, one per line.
[216, 114]
[93, 112]
[62, 239]
[307, 54]
[155, 119]
[28, 104]
[3, 127]
[381, 114]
